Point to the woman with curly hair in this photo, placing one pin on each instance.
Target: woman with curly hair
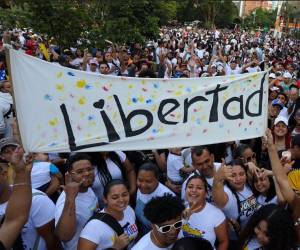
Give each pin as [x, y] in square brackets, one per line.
[271, 227]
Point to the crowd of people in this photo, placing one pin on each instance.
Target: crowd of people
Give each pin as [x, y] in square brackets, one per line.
[242, 194]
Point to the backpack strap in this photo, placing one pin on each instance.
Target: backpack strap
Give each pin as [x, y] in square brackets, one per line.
[6, 115]
[109, 220]
[238, 201]
[36, 243]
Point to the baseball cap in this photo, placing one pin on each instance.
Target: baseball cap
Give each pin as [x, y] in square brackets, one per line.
[287, 75]
[4, 142]
[278, 103]
[275, 89]
[281, 119]
[272, 75]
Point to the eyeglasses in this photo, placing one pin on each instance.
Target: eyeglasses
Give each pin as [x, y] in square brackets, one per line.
[81, 171]
[167, 228]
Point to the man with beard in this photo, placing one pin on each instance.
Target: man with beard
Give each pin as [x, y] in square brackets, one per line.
[77, 202]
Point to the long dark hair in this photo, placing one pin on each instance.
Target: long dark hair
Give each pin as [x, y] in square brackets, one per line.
[271, 192]
[238, 162]
[100, 162]
[280, 228]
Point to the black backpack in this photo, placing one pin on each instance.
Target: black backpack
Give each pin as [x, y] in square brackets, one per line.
[110, 221]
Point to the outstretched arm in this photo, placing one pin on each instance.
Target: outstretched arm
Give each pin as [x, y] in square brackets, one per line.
[18, 207]
[278, 170]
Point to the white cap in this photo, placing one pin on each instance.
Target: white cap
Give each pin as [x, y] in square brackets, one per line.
[94, 61]
[272, 75]
[274, 89]
[281, 119]
[287, 75]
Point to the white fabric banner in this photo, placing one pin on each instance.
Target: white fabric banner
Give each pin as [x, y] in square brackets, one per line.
[61, 109]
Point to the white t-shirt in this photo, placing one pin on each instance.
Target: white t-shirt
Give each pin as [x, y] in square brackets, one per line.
[103, 235]
[143, 199]
[284, 113]
[200, 53]
[145, 243]
[41, 212]
[115, 173]
[248, 205]
[187, 156]
[253, 69]
[85, 204]
[209, 181]
[76, 62]
[202, 224]
[253, 245]
[174, 164]
[261, 200]
[229, 71]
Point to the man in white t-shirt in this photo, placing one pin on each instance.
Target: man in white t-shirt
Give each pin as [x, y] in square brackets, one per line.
[232, 68]
[164, 213]
[203, 162]
[37, 233]
[77, 202]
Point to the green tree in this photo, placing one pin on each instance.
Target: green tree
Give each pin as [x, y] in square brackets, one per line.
[67, 20]
[117, 20]
[227, 15]
[61, 19]
[260, 18]
[210, 12]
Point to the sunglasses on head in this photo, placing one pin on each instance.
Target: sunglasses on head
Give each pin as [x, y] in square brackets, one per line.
[167, 228]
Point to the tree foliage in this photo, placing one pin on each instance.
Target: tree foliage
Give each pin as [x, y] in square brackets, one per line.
[261, 18]
[209, 12]
[117, 20]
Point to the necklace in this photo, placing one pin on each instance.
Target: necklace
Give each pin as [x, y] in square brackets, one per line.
[198, 209]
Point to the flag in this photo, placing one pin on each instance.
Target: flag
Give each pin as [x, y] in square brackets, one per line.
[44, 51]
